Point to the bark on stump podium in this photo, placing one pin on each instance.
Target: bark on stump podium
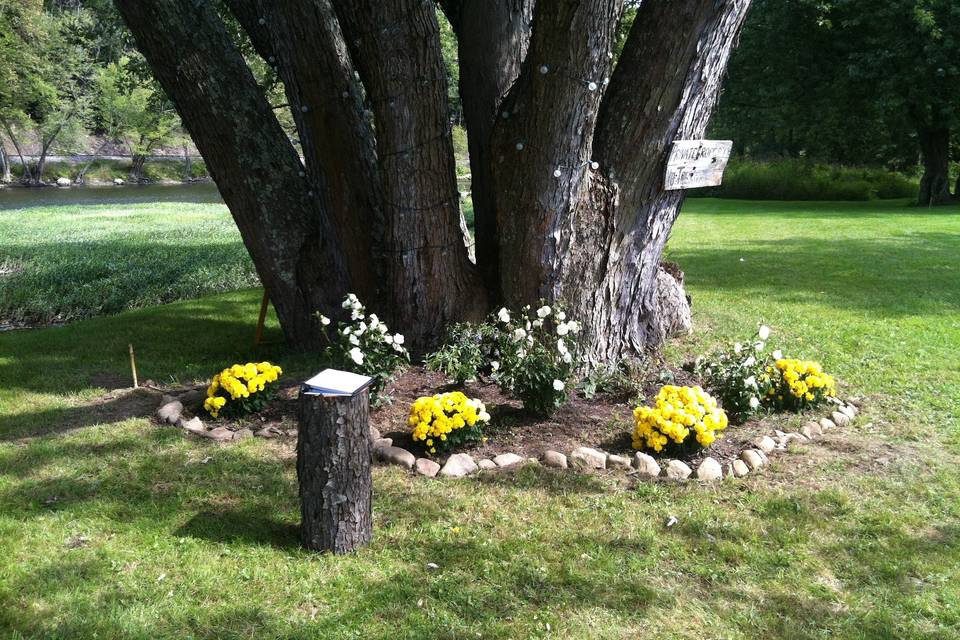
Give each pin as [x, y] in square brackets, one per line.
[333, 469]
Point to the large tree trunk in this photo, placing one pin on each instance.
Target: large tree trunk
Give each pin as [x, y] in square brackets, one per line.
[584, 218]
[333, 470]
[567, 152]
[492, 41]
[431, 281]
[303, 41]
[282, 216]
[935, 155]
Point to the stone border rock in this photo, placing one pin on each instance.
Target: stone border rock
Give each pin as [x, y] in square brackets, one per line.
[582, 459]
[587, 459]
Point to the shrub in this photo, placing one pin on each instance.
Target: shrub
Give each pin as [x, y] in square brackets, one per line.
[791, 179]
[365, 346]
[678, 413]
[447, 420]
[537, 351]
[795, 385]
[735, 375]
[242, 389]
[466, 351]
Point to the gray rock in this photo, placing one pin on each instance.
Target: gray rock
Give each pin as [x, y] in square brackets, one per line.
[458, 465]
[765, 444]
[795, 437]
[426, 467]
[587, 458]
[618, 462]
[193, 398]
[375, 434]
[486, 465]
[118, 181]
[382, 443]
[740, 468]
[220, 434]
[170, 411]
[728, 471]
[826, 424]
[646, 465]
[395, 455]
[555, 459]
[678, 470]
[840, 419]
[849, 410]
[753, 458]
[242, 434]
[811, 430]
[63, 182]
[268, 431]
[193, 425]
[709, 470]
[507, 459]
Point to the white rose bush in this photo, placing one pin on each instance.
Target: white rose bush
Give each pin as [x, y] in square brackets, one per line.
[536, 356]
[736, 376]
[366, 346]
[530, 353]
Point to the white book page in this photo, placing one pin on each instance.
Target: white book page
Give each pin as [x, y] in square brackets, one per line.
[338, 382]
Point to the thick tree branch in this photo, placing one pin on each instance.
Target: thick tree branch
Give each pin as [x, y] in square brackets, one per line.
[304, 42]
[396, 47]
[492, 36]
[543, 142]
[283, 221]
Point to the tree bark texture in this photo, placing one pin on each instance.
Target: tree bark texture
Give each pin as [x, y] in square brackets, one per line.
[579, 157]
[935, 155]
[303, 41]
[26, 176]
[333, 469]
[431, 281]
[492, 41]
[282, 216]
[568, 149]
[4, 166]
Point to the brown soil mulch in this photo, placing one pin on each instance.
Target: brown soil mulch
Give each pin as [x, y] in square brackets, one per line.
[604, 421]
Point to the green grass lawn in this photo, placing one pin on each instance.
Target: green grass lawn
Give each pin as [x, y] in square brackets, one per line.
[113, 527]
[62, 262]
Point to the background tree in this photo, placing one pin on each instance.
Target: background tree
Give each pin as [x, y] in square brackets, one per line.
[131, 108]
[48, 95]
[567, 147]
[853, 82]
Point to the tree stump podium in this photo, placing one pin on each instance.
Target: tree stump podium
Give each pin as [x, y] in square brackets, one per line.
[333, 469]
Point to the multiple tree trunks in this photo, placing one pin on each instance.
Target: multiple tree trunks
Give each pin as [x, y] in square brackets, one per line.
[333, 469]
[567, 145]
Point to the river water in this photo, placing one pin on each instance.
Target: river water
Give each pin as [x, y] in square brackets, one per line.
[24, 198]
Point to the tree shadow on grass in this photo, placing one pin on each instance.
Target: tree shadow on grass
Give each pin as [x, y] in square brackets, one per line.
[243, 504]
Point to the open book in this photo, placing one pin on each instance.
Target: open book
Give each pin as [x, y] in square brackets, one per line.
[331, 382]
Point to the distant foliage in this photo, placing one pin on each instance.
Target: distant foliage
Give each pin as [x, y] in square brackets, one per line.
[802, 180]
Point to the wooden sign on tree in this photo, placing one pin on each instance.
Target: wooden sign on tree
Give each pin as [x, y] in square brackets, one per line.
[697, 163]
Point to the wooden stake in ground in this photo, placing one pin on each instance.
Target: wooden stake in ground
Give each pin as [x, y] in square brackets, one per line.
[333, 468]
[133, 366]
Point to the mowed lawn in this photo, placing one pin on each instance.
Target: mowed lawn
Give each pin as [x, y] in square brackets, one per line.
[113, 527]
[63, 261]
